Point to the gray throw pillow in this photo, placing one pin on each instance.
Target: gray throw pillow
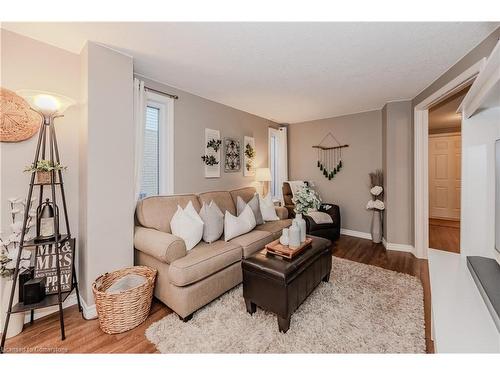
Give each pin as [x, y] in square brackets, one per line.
[213, 218]
[254, 205]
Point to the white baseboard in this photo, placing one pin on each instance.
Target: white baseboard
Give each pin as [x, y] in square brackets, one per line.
[355, 233]
[89, 311]
[397, 246]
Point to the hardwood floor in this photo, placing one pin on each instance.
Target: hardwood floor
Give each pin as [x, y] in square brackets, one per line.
[444, 235]
[85, 336]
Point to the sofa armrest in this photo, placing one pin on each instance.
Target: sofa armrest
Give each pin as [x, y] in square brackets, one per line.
[282, 212]
[163, 246]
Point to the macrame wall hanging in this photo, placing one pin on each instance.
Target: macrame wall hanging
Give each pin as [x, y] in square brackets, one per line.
[330, 157]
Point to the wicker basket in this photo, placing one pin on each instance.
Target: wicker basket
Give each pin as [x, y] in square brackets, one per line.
[123, 311]
[43, 177]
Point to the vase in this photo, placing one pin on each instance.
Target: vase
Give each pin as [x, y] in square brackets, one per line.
[301, 223]
[16, 321]
[294, 236]
[376, 227]
[284, 237]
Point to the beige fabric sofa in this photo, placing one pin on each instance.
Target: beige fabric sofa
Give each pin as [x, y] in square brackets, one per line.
[189, 280]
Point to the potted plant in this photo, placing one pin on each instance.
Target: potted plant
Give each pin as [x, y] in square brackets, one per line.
[43, 169]
[9, 251]
[305, 200]
[376, 204]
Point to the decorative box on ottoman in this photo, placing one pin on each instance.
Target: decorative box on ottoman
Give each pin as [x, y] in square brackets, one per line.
[280, 285]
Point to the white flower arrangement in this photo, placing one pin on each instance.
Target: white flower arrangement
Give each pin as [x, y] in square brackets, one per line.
[375, 205]
[376, 190]
[9, 245]
[305, 200]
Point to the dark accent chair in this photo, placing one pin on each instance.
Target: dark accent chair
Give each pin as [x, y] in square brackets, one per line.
[330, 230]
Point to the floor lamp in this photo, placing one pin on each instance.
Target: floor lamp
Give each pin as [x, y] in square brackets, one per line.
[263, 175]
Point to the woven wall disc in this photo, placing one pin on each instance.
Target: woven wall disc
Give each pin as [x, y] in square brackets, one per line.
[18, 121]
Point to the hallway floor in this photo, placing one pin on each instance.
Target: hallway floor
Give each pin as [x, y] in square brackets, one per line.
[444, 235]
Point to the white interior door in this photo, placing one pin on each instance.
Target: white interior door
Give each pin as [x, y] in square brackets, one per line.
[444, 176]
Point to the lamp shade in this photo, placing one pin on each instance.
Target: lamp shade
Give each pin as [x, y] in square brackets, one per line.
[262, 174]
[47, 103]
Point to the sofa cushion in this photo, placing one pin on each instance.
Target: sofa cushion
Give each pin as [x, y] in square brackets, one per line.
[253, 241]
[245, 193]
[156, 212]
[275, 227]
[221, 198]
[202, 261]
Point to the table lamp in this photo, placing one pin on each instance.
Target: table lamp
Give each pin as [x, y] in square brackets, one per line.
[263, 175]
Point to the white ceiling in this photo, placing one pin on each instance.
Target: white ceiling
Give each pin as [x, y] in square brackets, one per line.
[287, 72]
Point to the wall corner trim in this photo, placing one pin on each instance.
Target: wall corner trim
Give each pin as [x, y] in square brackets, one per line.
[355, 233]
[397, 246]
[89, 311]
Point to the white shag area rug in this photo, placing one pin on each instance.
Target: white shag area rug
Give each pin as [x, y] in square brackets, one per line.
[363, 309]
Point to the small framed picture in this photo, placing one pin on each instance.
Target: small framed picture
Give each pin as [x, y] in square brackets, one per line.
[232, 155]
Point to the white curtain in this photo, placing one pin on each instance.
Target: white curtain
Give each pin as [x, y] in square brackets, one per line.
[283, 155]
[139, 123]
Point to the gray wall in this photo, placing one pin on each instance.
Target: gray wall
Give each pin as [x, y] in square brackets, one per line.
[192, 114]
[350, 188]
[397, 161]
[106, 165]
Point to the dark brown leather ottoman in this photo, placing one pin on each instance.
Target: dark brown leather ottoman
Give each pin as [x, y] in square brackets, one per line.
[280, 285]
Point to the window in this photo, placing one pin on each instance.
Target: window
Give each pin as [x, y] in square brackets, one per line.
[274, 152]
[278, 163]
[158, 149]
[150, 184]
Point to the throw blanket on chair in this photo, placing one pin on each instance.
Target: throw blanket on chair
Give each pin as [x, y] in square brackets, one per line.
[320, 217]
[295, 186]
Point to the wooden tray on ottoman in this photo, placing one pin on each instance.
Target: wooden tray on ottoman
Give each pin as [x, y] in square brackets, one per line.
[283, 251]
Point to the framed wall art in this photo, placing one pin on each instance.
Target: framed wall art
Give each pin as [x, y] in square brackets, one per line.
[232, 155]
[249, 156]
[211, 157]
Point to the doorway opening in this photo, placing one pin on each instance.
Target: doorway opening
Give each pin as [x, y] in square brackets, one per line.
[445, 154]
[421, 154]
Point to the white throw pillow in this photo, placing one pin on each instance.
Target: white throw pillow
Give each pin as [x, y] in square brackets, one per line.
[267, 209]
[254, 205]
[187, 224]
[213, 218]
[235, 226]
